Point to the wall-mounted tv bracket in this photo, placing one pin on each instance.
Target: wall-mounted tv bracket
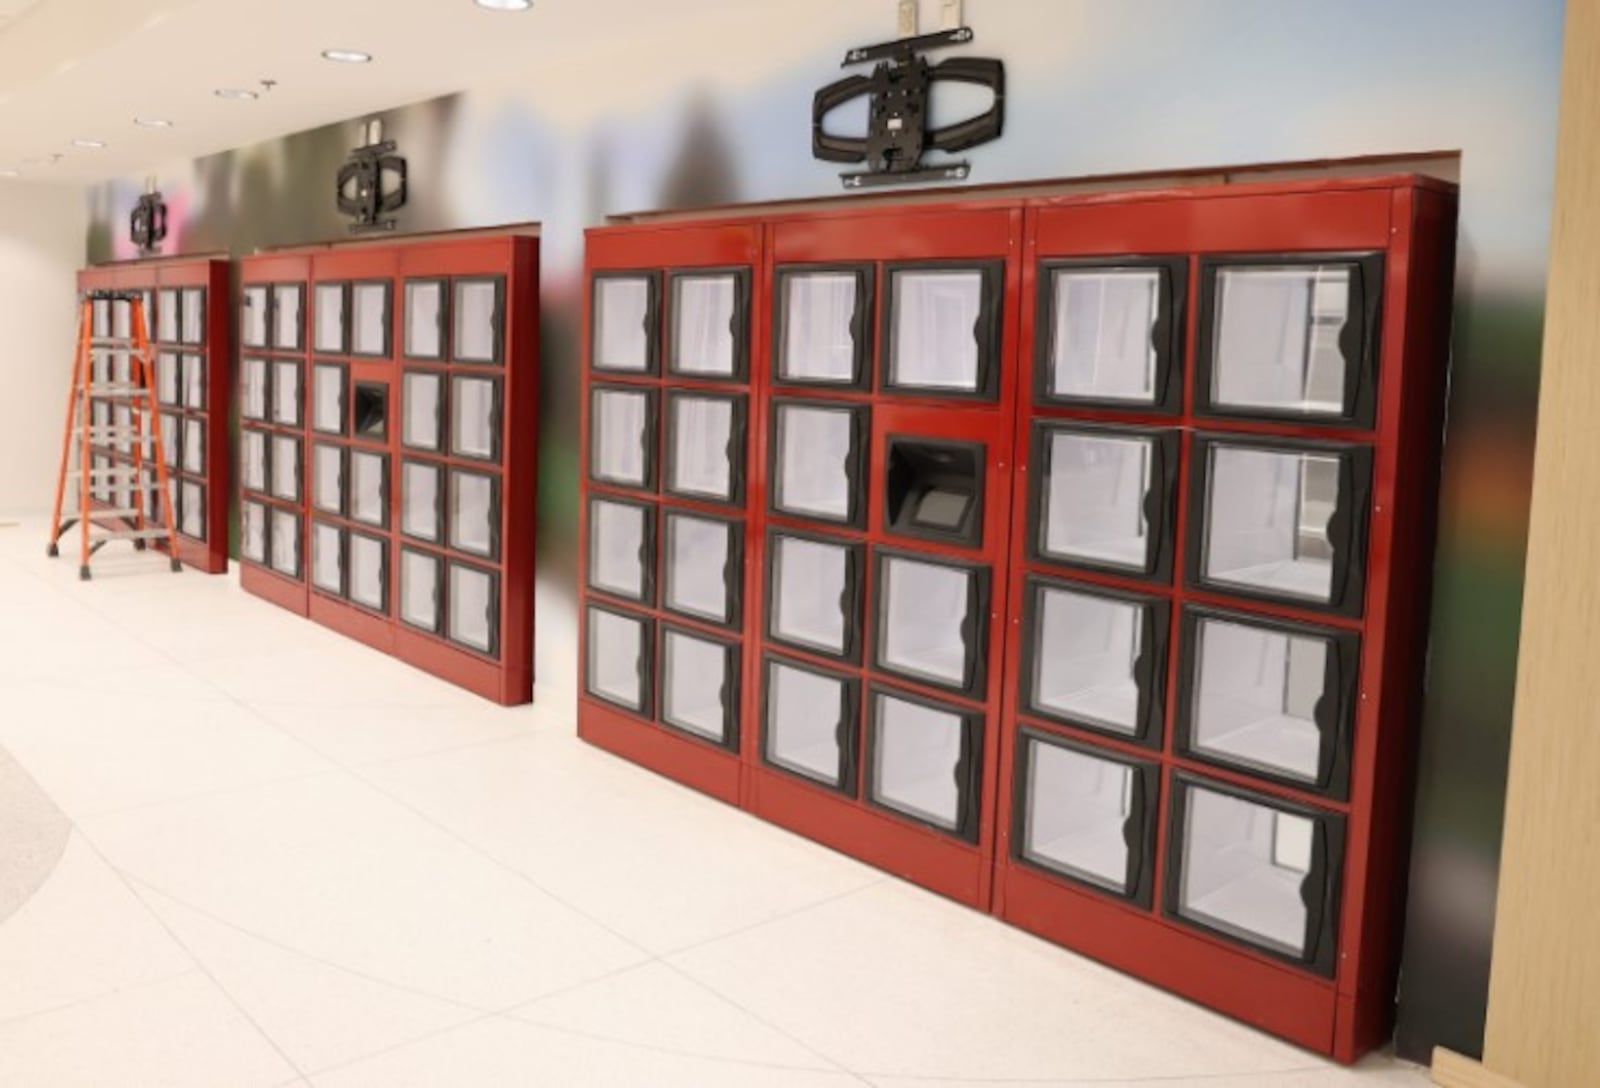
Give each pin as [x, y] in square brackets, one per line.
[897, 110]
[372, 185]
[147, 224]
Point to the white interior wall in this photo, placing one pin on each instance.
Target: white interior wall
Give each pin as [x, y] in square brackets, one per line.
[42, 230]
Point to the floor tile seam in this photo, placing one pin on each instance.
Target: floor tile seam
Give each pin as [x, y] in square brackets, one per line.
[98, 995]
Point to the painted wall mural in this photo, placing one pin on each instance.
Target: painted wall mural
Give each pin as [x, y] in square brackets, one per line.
[1095, 87]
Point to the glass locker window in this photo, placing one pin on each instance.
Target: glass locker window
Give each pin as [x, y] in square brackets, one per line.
[285, 550]
[253, 531]
[369, 488]
[171, 439]
[617, 652]
[942, 329]
[194, 315]
[328, 384]
[474, 608]
[1282, 521]
[475, 513]
[699, 685]
[477, 311]
[422, 404]
[475, 417]
[817, 452]
[1084, 815]
[285, 468]
[193, 524]
[809, 724]
[252, 317]
[1256, 870]
[619, 548]
[327, 558]
[622, 437]
[822, 322]
[425, 319]
[287, 319]
[167, 383]
[286, 393]
[701, 566]
[1094, 659]
[252, 385]
[327, 478]
[1288, 338]
[709, 324]
[1111, 333]
[624, 324]
[194, 382]
[369, 319]
[421, 580]
[167, 326]
[814, 594]
[705, 446]
[931, 620]
[194, 446]
[328, 324]
[1267, 697]
[920, 761]
[369, 572]
[253, 454]
[422, 500]
[1101, 497]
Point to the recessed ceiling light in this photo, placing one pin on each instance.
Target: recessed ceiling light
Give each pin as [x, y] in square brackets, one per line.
[152, 122]
[10, 173]
[234, 92]
[505, 5]
[346, 56]
[89, 145]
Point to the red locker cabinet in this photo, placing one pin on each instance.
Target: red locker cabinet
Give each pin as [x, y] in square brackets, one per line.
[670, 474]
[388, 399]
[1221, 550]
[187, 322]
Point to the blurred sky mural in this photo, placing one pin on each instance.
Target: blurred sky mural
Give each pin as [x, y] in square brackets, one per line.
[1094, 87]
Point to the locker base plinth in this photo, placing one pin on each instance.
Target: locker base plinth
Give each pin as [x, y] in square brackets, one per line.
[1293, 1005]
[283, 592]
[955, 869]
[508, 686]
[658, 748]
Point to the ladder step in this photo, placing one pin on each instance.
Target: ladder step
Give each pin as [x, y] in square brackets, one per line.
[129, 534]
[112, 434]
[117, 390]
[113, 514]
[116, 472]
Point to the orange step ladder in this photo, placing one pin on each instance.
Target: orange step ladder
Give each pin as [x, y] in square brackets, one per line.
[101, 522]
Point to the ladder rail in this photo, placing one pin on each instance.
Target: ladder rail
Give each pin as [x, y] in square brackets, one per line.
[84, 331]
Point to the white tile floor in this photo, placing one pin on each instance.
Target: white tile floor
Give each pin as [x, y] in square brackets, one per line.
[293, 861]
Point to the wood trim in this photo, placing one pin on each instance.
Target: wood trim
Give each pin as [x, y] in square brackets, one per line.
[1451, 1070]
[1544, 988]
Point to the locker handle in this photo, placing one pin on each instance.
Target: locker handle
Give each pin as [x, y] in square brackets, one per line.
[858, 325]
[1134, 831]
[1156, 497]
[844, 737]
[1161, 333]
[963, 773]
[1316, 890]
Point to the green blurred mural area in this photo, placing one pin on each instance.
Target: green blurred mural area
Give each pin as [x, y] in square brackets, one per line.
[1095, 87]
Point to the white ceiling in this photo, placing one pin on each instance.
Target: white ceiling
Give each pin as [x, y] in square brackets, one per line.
[84, 69]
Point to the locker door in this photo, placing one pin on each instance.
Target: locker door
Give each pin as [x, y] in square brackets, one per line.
[1102, 497]
[809, 723]
[622, 436]
[941, 329]
[923, 759]
[1110, 333]
[328, 563]
[421, 590]
[288, 317]
[422, 403]
[617, 650]
[1255, 870]
[626, 314]
[253, 316]
[705, 446]
[709, 324]
[367, 576]
[329, 393]
[814, 593]
[425, 319]
[1085, 814]
[472, 608]
[621, 539]
[817, 453]
[823, 322]
[422, 500]
[327, 478]
[930, 619]
[702, 566]
[699, 680]
[478, 320]
[475, 407]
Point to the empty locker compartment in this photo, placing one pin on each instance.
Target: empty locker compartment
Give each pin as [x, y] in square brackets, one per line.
[474, 513]
[705, 446]
[422, 410]
[931, 620]
[814, 593]
[286, 396]
[702, 564]
[288, 322]
[1110, 333]
[367, 571]
[817, 450]
[473, 608]
[923, 760]
[622, 443]
[624, 323]
[478, 319]
[328, 324]
[475, 417]
[253, 385]
[425, 319]
[699, 680]
[621, 551]
[1102, 497]
[422, 500]
[369, 319]
[709, 323]
[329, 382]
[253, 316]
[941, 335]
[327, 478]
[369, 488]
[809, 723]
[328, 558]
[617, 652]
[823, 323]
[421, 590]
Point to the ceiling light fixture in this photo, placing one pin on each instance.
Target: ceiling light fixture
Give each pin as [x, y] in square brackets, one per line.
[234, 93]
[152, 122]
[346, 56]
[10, 173]
[89, 145]
[505, 5]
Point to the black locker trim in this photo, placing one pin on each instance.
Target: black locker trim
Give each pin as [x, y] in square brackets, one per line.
[496, 416]
[1159, 505]
[847, 732]
[739, 324]
[652, 320]
[647, 550]
[446, 296]
[1347, 526]
[1335, 709]
[1327, 869]
[1358, 339]
[648, 441]
[646, 672]
[736, 451]
[732, 570]
[865, 273]
[974, 626]
[968, 771]
[1150, 668]
[344, 396]
[1138, 831]
[731, 651]
[987, 332]
[1166, 336]
[851, 600]
[854, 467]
